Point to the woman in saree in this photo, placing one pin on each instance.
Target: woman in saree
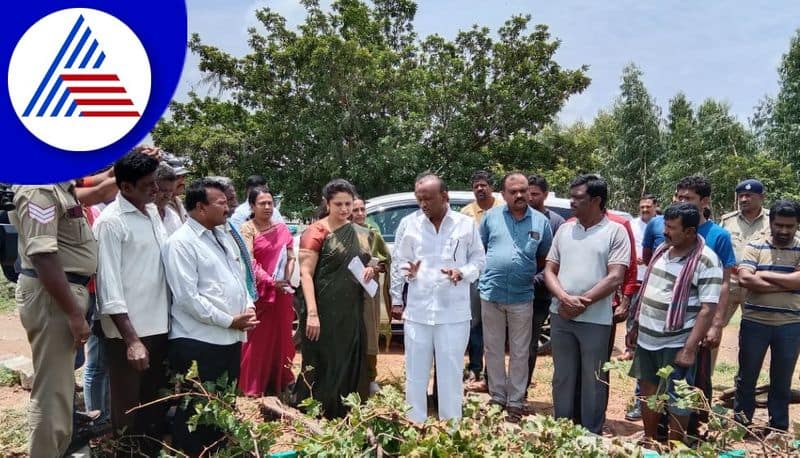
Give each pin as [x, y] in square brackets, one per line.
[332, 310]
[381, 258]
[266, 366]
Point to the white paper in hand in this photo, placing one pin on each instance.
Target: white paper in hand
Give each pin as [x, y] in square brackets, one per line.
[357, 268]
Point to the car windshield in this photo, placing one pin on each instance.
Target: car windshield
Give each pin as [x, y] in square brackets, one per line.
[387, 219]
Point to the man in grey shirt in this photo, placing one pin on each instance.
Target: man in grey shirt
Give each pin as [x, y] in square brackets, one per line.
[586, 264]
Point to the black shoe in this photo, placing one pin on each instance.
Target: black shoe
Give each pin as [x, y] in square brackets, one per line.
[635, 414]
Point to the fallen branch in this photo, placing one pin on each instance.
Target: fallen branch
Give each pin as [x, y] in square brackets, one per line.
[271, 407]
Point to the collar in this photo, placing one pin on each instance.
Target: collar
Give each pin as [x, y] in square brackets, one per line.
[603, 221]
[761, 214]
[125, 205]
[196, 227]
[768, 240]
[448, 215]
[528, 212]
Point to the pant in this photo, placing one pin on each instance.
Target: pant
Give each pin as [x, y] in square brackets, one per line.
[449, 342]
[95, 377]
[130, 388]
[372, 367]
[53, 351]
[736, 295]
[580, 350]
[540, 314]
[95, 374]
[475, 347]
[508, 388]
[784, 345]
[702, 381]
[212, 362]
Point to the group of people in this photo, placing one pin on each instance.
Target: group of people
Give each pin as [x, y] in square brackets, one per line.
[178, 283]
[205, 281]
[493, 274]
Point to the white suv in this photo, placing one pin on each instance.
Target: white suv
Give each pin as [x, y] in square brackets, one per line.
[386, 211]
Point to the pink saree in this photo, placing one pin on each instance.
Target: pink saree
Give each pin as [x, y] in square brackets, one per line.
[268, 353]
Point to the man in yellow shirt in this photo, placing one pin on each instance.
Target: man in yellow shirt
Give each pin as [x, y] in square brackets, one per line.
[484, 201]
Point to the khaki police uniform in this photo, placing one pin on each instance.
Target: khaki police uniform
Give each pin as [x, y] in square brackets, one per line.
[49, 219]
[741, 231]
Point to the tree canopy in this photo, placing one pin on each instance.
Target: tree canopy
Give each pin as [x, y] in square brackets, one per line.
[355, 93]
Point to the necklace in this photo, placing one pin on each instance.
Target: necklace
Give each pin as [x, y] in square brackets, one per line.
[262, 228]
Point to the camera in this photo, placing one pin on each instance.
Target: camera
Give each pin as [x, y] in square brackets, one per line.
[8, 234]
[6, 197]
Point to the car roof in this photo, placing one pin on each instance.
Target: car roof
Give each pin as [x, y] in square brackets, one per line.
[461, 197]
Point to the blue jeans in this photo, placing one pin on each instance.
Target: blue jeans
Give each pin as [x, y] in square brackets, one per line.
[95, 374]
[784, 344]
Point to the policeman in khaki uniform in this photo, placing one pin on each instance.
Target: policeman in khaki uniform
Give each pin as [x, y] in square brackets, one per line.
[750, 220]
[58, 254]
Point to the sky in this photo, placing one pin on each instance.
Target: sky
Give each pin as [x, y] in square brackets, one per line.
[726, 50]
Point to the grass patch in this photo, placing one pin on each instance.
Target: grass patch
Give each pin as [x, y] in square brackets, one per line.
[7, 301]
[14, 433]
[8, 377]
[725, 375]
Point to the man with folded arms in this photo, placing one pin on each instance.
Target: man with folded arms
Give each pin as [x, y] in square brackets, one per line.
[770, 315]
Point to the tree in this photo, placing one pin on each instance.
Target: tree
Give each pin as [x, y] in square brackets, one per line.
[354, 93]
[714, 143]
[637, 144]
[778, 120]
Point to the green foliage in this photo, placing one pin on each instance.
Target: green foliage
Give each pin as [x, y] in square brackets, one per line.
[636, 147]
[7, 301]
[14, 434]
[214, 404]
[354, 93]
[779, 119]
[640, 155]
[722, 429]
[8, 377]
[379, 427]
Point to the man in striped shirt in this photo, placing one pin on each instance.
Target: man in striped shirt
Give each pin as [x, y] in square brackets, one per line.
[680, 291]
[770, 315]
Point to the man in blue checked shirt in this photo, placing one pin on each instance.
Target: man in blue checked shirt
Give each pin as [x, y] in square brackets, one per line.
[517, 239]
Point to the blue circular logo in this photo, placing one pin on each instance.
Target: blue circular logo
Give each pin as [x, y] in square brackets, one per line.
[86, 83]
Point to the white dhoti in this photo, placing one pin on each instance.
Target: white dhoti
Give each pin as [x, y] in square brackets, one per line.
[448, 342]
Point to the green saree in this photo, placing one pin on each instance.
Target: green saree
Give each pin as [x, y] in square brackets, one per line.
[335, 365]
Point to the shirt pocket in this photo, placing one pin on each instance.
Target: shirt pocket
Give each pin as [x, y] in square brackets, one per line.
[455, 248]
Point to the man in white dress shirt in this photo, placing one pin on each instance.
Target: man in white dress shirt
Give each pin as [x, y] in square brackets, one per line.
[439, 253]
[134, 300]
[211, 310]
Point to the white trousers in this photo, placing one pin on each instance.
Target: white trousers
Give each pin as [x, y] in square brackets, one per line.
[447, 342]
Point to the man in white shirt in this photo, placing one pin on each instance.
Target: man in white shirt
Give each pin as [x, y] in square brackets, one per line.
[167, 181]
[242, 212]
[134, 300]
[211, 310]
[439, 253]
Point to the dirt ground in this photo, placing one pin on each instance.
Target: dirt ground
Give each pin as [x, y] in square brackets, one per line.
[390, 367]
